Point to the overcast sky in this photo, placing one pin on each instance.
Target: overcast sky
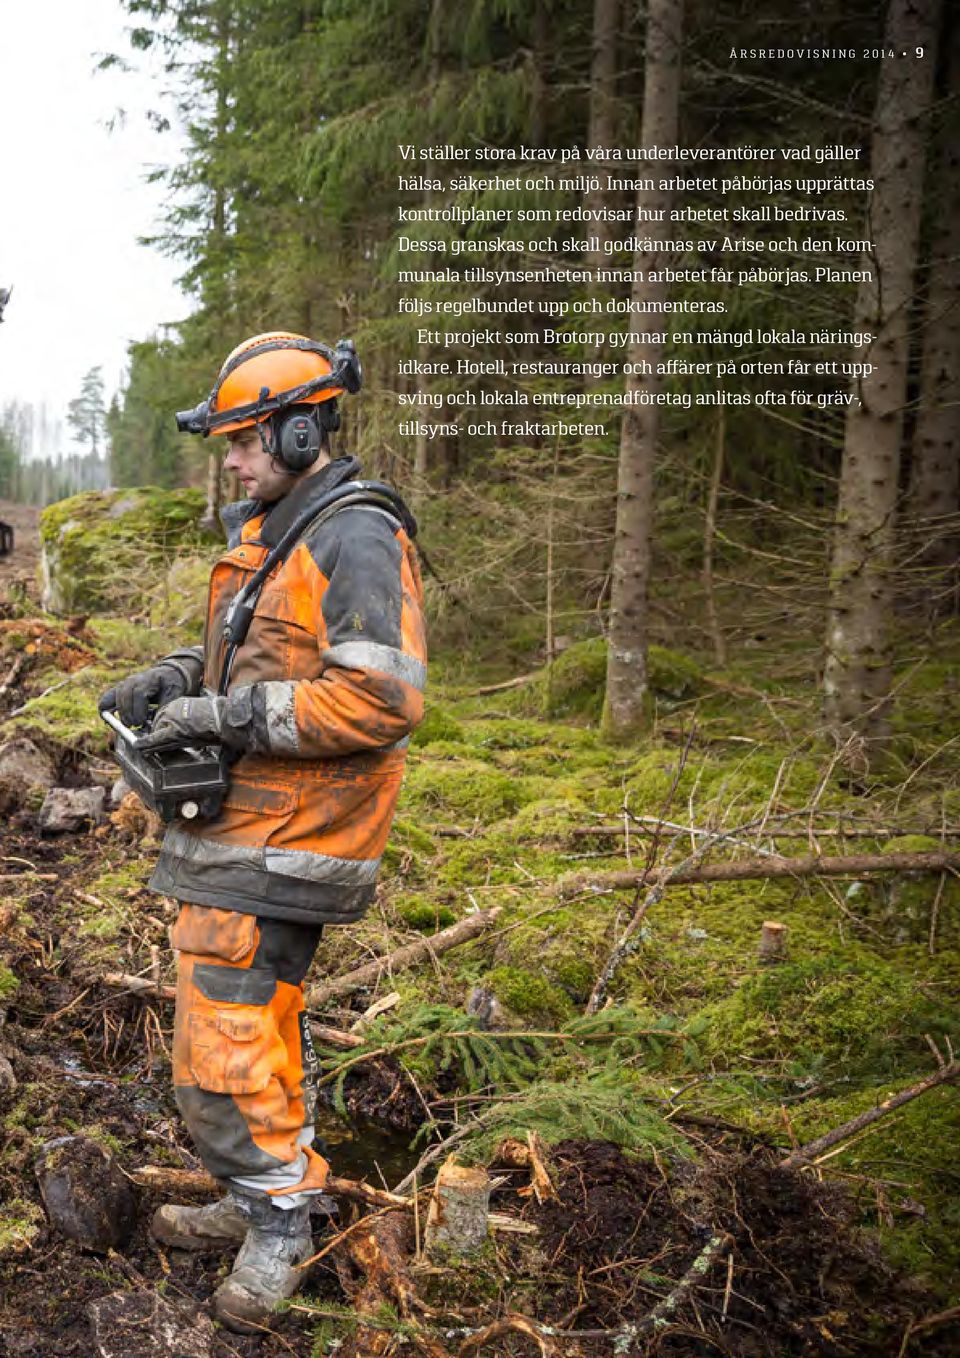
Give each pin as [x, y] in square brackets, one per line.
[74, 201]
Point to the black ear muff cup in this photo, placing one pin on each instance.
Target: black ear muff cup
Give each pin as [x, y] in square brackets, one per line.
[297, 441]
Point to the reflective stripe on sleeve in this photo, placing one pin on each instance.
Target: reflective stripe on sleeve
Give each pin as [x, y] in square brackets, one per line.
[280, 715]
[371, 655]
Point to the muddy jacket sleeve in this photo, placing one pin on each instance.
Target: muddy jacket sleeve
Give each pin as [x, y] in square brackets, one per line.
[369, 626]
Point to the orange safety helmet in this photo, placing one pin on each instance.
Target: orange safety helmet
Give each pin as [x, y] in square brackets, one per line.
[269, 373]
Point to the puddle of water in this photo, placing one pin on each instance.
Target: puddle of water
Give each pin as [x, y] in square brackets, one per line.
[356, 1150]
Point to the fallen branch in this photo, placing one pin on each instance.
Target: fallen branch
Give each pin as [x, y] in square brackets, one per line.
[402, 958]
[504, 685]
[661, 1315]
[745, 869]
[197, 1183]
[138, 985]
[511, 1323]
[806, 1154]
[13, 674]
[646, 825]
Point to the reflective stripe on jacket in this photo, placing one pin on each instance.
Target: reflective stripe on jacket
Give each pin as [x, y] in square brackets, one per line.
[329, 684]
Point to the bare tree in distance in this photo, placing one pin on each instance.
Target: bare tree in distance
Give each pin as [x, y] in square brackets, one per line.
[87, 413]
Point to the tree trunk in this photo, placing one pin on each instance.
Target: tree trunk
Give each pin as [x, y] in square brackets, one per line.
[602, 129]
[857, 671]
[626, 693]
[421, 447]
[935, 469]
[539, 97]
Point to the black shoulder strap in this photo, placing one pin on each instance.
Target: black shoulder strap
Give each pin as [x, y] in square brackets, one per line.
[240, 614]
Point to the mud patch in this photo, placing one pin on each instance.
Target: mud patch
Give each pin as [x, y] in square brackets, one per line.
[798, 1279]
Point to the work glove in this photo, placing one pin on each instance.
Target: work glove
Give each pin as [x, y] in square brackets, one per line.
[134, 698]
[203, 721]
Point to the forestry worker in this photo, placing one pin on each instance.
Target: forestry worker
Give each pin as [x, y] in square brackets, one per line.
[315, 704]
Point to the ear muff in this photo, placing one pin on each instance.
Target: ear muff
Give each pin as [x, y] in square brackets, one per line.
[296, 440]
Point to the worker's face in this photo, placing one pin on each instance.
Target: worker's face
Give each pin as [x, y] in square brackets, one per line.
[260, 476]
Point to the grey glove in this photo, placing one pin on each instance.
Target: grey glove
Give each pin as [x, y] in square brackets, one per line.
[135, 697]
[205, 720]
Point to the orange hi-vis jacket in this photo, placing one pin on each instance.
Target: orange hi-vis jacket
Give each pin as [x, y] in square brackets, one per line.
[326, 689]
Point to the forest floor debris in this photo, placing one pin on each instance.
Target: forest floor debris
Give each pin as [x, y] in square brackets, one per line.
[656, 1129]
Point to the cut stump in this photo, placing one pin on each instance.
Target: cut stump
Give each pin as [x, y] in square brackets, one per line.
[457, 1219]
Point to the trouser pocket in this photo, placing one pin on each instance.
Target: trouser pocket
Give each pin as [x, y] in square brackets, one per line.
[210, 932]
[233, 1042]
[234, 1049]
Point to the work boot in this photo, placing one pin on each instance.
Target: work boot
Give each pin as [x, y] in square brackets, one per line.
[265, 1272]
[216, 1226]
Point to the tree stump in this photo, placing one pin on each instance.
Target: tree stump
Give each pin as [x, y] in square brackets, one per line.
[457, 1217]
[773, 942]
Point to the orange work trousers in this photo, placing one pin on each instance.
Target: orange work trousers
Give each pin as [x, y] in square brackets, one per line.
[244, 1067]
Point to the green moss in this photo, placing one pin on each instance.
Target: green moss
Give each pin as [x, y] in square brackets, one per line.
[20, 1223]
[470, 790]
[573, 684]
[8, 983]
[859, 1014]
[69, 715]
[117, 890]
[528, 995]
[424, 915]
[182, 602]
[100, 546]
[437, 725]
[907, 1146]
[404, 832]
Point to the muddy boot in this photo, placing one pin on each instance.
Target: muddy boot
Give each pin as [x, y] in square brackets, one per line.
[217, 1226]
[265, 1272]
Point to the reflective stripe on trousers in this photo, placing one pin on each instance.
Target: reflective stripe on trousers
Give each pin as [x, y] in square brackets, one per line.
[243, 1063]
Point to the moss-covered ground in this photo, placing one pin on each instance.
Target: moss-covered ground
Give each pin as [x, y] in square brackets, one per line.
[513, 799]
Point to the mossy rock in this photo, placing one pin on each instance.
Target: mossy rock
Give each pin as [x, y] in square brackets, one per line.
[573, 685]
[97, 548]
[905, 900]
[855, 1014]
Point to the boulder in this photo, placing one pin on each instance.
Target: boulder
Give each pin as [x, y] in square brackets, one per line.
[25, 771]
[97, 548]
[86, 1195]
[141, 1324]
[66, 809]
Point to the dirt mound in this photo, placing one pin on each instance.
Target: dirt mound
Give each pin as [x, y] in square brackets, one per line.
[795, 1278]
